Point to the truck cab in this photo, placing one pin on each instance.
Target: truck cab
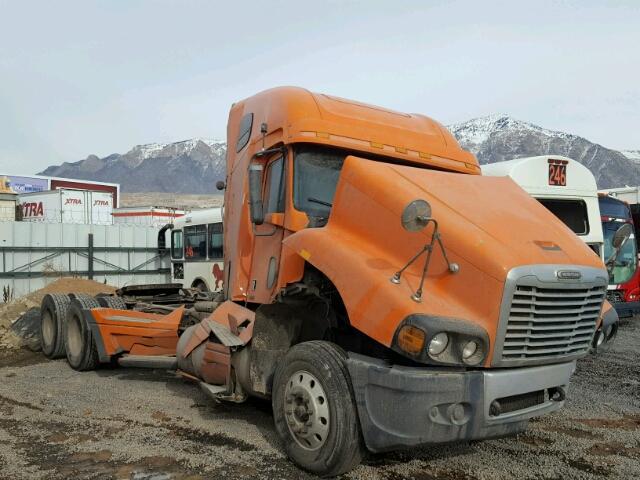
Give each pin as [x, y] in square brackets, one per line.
[462, 303]
[624, 274]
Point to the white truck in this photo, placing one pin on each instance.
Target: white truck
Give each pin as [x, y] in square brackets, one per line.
[566, 187]
[151, 215]
[67, 206]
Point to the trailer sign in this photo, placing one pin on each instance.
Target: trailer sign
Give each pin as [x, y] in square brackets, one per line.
[558, 173]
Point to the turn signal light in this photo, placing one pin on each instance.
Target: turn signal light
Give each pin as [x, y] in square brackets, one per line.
[411, 339]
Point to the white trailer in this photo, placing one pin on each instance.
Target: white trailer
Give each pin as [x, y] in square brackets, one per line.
[151, 216]
[631, 195]
[566, 187]
[67, 206]
[7, 206]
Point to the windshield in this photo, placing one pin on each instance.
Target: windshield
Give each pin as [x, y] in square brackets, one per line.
[626, 262]
[612, 207]
[315, 173]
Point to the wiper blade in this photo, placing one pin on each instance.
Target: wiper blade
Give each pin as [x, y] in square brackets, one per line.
[321, 202]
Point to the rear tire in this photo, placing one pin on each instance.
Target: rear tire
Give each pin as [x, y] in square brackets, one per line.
[314, 409]
[116, 303]
[82, 353]
[200, 285]
[53, 314]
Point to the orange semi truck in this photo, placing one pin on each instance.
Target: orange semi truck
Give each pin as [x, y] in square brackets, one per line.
[377, 288]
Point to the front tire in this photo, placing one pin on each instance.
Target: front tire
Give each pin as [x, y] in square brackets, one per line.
[314, 409]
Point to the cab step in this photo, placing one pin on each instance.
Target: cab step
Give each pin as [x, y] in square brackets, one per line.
[149, 361]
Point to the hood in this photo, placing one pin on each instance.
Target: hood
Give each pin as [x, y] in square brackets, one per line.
[489, 222]
[488, 226]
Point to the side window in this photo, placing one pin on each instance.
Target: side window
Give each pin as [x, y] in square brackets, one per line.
[275, 187]
[195, 242]
[176, 244]
[244, 133]
[215, 241]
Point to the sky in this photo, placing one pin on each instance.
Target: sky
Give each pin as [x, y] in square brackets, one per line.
[98, 77]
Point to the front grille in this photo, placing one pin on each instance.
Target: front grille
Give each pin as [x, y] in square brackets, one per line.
[551, 322]
[615, 296]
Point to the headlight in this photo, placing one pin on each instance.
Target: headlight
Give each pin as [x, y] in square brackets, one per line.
[469, 350]
[438, 344]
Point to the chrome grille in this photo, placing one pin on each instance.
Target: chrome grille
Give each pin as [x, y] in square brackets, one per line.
[551, 322]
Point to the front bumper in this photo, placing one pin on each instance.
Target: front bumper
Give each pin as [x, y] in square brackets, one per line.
[408, 406]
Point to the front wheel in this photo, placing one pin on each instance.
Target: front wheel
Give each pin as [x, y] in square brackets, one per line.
[314, 409]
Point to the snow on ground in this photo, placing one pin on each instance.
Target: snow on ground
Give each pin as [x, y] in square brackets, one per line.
[478, 130]
[633, 155]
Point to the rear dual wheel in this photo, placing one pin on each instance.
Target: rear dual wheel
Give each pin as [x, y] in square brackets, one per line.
[82, 353]
[53, 313]
[111, 301]
[314, 409]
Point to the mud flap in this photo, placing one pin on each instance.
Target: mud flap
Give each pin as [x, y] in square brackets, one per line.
[277, 327]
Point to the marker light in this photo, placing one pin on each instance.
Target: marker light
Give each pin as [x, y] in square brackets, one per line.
[411, 339]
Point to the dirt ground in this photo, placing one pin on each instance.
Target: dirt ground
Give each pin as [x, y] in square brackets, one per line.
[56, 423]
[172, 200]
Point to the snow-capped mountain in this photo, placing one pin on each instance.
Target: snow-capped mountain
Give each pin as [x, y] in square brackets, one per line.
[194, 166]
[496, 138]
[189, 166]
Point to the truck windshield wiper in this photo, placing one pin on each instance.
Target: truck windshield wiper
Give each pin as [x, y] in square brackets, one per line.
[321, 202]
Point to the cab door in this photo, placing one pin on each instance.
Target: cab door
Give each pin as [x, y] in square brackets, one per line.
[268, 236]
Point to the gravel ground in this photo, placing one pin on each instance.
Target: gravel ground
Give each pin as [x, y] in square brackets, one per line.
[125, 423]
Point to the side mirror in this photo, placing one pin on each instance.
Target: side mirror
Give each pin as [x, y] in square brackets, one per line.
[416, 215]
[220, 185]
[255, 193]
[617, 242]
[621, 236]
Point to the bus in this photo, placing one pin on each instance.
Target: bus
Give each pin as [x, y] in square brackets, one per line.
[564, 186]
[624, 275]
[196, 250]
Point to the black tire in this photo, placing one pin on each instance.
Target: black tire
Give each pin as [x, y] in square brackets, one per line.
[80, 345]
[200, 285]
[53, 314]
[342, 448]
[112, 302]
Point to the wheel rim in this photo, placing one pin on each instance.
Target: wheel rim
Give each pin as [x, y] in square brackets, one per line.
[306, 409]
[74, 338]
[48, 327]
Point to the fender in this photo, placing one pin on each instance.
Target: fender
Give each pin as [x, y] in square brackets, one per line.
[361, 274]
